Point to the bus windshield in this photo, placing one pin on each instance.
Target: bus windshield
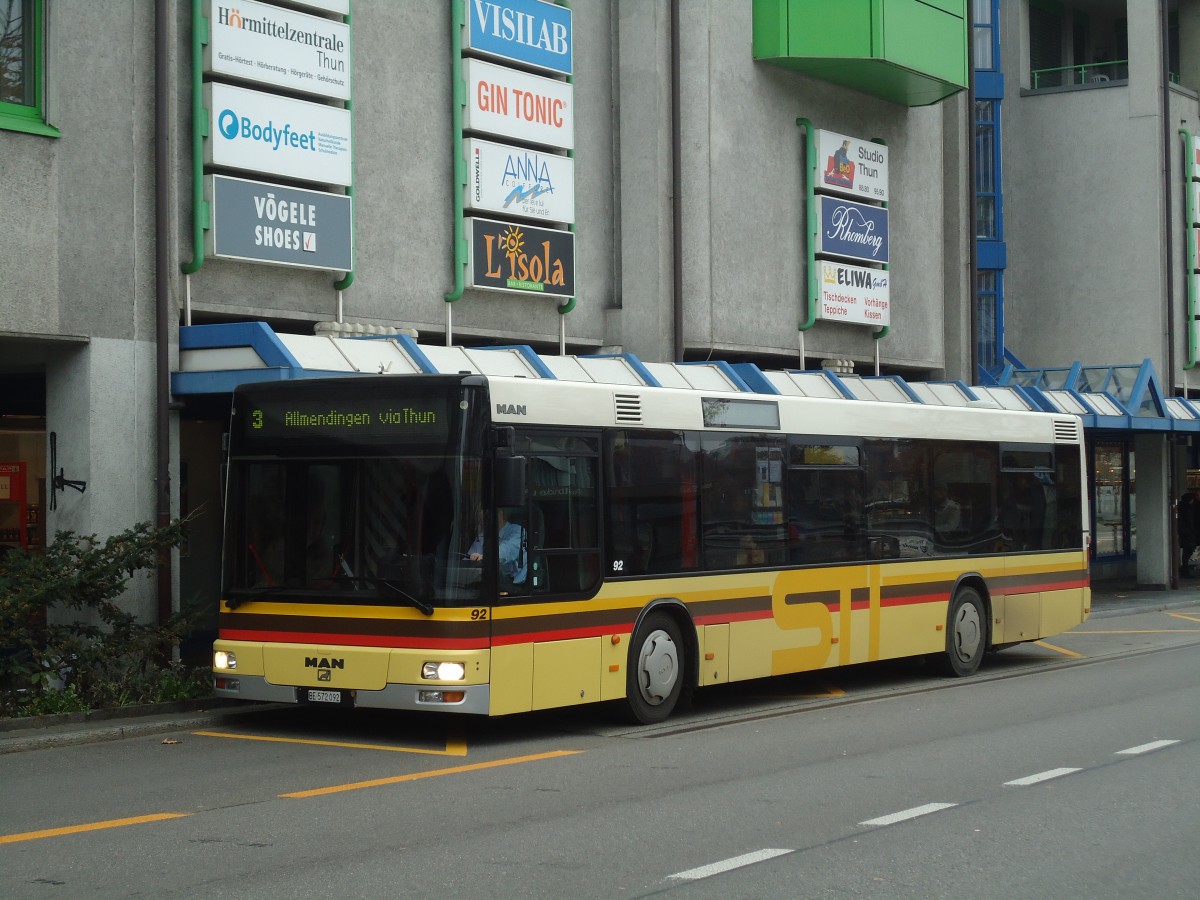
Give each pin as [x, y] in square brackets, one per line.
[327, 501]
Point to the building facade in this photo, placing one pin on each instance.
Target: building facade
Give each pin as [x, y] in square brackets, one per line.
[686, 132]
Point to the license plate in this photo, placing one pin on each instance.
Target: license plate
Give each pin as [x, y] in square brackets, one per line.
[324, 696]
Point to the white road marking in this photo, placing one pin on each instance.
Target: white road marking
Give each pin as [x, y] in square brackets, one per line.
[909, 814]
[1041, 776]
[1145, 748]
[726, 865]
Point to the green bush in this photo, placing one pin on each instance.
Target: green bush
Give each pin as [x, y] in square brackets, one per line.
[105, 658]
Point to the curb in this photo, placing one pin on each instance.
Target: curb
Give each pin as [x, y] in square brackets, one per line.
[35, 733]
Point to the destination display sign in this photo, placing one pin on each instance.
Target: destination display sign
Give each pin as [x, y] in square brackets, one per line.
[853, 167]
[267, 421]
[854, 294]
[853, 230]
[509, 256]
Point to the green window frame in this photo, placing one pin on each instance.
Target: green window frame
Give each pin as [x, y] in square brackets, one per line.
[22, 70]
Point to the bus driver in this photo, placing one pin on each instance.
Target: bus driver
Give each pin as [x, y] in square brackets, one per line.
[513, 564]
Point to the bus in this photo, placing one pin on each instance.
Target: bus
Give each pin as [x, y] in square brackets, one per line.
[660, 540]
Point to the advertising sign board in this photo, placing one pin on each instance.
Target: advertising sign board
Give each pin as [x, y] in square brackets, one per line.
[852, 167]
[278, 225]
[258, 132]
[519, 182]
[853, 230]
[278, 47]
[529, 32]
[510, 256]
[513, 104]
[854, 294]
[337, 7]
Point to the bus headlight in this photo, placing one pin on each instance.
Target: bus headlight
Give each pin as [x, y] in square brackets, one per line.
[443, 671]
[223, 659]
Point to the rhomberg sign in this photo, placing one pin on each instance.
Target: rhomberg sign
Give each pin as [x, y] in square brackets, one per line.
[509, 256]
[853, 230]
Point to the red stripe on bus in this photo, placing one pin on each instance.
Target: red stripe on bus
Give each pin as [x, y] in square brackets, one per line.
[1073, 584]
[352, 640]
[752, 615]
[566, 634]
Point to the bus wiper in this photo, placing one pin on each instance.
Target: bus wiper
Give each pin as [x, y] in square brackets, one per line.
[254, 594]
[404, 595]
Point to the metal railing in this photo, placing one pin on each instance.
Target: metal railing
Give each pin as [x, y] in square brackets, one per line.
[1092, 73]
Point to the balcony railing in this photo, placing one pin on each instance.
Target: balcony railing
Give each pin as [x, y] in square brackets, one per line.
[1093, 73]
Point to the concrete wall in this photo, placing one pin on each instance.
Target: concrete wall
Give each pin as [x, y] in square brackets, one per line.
[77, 258]
[1086, 222]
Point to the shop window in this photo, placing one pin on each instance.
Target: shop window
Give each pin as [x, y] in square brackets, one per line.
[1113, 502]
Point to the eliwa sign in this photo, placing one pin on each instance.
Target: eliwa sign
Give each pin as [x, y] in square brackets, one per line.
[257, 132]
[276, 46]
[855, 294]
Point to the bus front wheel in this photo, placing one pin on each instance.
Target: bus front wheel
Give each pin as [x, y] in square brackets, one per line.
[966, 633]
[654, 677]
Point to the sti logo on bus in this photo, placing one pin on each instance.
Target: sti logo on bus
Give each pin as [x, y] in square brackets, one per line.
[510, 409]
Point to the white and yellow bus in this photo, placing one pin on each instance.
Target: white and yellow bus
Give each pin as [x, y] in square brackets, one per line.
[665, 539]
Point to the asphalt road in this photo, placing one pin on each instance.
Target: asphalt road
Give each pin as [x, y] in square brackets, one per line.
[1066, 768]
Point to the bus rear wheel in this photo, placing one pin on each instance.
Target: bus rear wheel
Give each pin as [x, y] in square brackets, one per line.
[654, 678]
[966, 633]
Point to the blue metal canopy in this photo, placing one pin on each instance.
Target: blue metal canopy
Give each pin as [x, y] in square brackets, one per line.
[213, 359]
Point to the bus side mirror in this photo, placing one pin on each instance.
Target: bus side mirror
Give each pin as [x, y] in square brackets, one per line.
[510, 480]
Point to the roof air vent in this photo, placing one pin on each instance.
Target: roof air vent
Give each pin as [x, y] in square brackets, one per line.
[1066, 431]
[629, 409]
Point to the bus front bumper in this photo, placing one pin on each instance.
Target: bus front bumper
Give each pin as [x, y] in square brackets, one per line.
[475, 700]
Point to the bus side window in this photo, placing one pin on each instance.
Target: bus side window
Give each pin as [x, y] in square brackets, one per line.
[563, 517]
[651, 492]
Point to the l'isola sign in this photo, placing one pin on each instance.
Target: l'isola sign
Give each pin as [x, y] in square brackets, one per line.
[508, 256]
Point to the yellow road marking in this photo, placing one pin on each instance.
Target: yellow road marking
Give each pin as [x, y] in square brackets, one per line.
[416, 776]
[1182, 616]
[454, 746]
[91, 826]
[1062, 650]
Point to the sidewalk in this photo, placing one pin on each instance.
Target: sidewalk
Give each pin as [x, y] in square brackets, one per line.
[17, 735]
[1126, 599]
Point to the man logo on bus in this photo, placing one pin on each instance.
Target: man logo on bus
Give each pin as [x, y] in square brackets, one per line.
[311, 662]
[510, 409]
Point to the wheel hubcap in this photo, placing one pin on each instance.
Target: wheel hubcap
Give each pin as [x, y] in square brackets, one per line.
[968, 632]
[658, 667]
